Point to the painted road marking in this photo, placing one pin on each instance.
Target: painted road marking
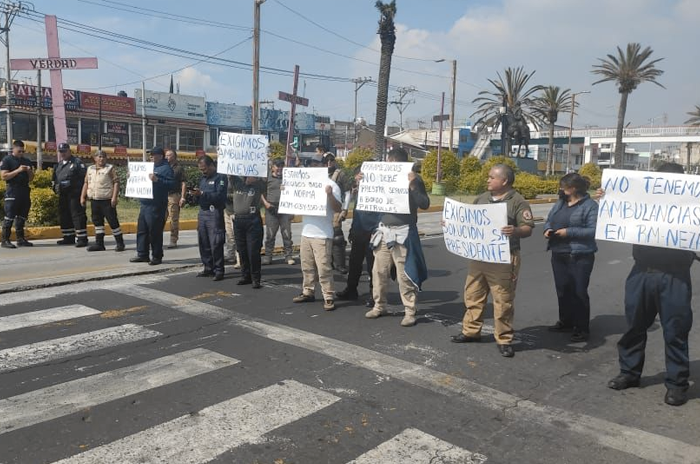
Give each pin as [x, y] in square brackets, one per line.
[202, 436]
[67, 398]
[637, 442]
[418, 447]
[45, 316]
[51, 350]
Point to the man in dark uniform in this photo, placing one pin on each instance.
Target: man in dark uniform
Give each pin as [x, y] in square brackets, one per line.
[68, 178]
[659, 283]
[211, 232]
[275, 221]
[149, 232]
[16, 171]
[248, 226]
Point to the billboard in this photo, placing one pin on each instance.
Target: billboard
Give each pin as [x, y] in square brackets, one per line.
[271, 120]
[172, 105]
[110, 103]
[27, 96]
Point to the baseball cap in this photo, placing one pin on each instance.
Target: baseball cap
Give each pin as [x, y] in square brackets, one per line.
[278, 162]
[157, 151]
[63, 146]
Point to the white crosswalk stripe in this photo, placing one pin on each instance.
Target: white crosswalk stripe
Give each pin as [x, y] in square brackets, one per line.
[59, 400]
[44, 316]
[418, 447]
[201, 437]
[50, 350]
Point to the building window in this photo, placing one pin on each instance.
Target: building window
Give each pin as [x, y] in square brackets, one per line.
[166, 137]
[89, 131]
[137, 136]
[191, 140]
[115, 134]
[23, 126]
[213, 137]
[72, 128]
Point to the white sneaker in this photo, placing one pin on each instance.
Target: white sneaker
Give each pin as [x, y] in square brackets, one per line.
[291, 261]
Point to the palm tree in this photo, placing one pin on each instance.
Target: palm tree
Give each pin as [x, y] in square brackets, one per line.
[513, 90]
[549, 103]
[628, 69]
[694, 119]
[387, 35]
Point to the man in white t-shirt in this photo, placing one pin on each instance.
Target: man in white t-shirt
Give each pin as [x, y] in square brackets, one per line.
[317, 245]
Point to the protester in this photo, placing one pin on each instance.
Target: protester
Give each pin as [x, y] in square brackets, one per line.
[339, 244]
[211, 232]
[149, 232]
[275, 221]
[396, 243]
[248, 227]
[316, 247]
[101, 187]
[364, 223]
[176, 196]
[230, 255]
[17, 172]
[496, 278]
[658, 284]
[68, 179]
[570, 230]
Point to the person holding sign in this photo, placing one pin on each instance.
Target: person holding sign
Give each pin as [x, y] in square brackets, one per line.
[149, 231]
[248, 226]
[211, 232]
[396, 243]
[338, 176]
[570, 231]
[274, 220]
[497, 278]
[316, 246]
[659, 283]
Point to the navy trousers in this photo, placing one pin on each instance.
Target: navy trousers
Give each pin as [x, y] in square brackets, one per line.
[149, 232]
[572, 274]
[211, 236]
[359, 252]
[248, 230]
[648, 293]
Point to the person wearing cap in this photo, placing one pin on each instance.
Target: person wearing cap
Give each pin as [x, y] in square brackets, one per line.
[211, 233]
[339, 244]
[16, 171]
[316, 247]
[275, 221]
[176, 196]
[248, 227]
[149, 232]
[101, 187]
[68, 179]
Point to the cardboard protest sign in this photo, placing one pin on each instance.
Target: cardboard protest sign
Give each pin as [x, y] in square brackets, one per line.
[304, 191]
[474, 231]
[658, 209]
[139, 184]
[384, 187]
[242, 155]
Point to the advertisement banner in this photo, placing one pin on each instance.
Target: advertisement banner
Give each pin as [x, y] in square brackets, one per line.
[110, 103]
[384, 187]
[242, 155]
[172, 105]
[474, 231]
[139, 184]
[304, 191]
[24, 95]
[241, 117]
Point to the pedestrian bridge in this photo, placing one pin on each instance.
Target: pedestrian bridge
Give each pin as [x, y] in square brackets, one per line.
[662, 134]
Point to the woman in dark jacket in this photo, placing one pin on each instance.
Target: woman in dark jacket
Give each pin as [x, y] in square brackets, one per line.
[570, 230]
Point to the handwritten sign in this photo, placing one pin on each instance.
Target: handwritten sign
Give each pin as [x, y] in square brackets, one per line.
[242, 155]
[650, 208]
[304, 191]
[474, 231]
[384, 187]
[139, 185]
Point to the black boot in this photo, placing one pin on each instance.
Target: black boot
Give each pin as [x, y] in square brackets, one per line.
[120, 243]
[6, 230]
[19, 230]
[339, 257]
[99, 244]
[66, 240]
[83, 242]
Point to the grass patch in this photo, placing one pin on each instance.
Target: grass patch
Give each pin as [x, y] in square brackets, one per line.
[128, 211]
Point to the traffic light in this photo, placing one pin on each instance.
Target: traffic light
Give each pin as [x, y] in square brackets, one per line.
[295, 143]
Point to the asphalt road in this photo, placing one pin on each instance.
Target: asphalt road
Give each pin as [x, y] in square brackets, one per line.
[171, 368]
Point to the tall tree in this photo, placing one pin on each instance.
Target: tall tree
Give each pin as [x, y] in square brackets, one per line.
[516, 94]
[549, 103]
[387, 35]
[628, 69]
[694, 119]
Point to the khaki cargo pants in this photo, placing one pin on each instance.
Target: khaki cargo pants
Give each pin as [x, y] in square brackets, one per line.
[500, 281]
[384, 257]
[174, 215]
[315, 254]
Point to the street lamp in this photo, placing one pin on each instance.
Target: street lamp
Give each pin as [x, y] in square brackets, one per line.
[503, 111]
[571, 126]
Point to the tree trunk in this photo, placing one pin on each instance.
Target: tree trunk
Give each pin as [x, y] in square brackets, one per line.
[382, 103]
[619, 146]
[689, 149]
[550, 153]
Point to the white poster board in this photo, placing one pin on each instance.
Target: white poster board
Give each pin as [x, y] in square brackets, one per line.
[474, 231]
[659, 209]
[304, 191]
[139, 184]
[384, 187]
[242, 155]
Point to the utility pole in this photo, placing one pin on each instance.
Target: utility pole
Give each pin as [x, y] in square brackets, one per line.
[11, 10]
[452, 103]
[256, 65]
[39, 100]
[143, 119]
[438, 178]
[402, 105]
[359, 82]
[571, 127]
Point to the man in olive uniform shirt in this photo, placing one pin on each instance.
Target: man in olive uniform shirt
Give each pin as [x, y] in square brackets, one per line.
[497, 278]
[176, 196]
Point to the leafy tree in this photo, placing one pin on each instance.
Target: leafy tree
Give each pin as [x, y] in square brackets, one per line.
[628, 69]
[277, 150]
[358, 156]
[450, 170]
[694, 119]
[549, 103]
[387, 35]
[593, 173]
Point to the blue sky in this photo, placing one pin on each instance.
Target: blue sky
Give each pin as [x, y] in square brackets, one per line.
[560, 39]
